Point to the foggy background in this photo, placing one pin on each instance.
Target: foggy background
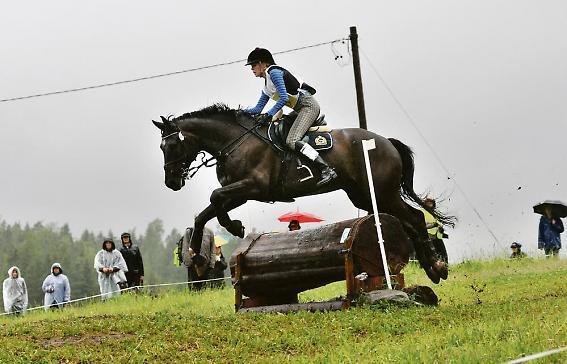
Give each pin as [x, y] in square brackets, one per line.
[481, 82]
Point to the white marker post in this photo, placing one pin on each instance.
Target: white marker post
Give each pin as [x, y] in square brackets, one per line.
[366, 146]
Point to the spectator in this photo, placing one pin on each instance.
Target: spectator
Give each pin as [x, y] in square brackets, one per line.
[217, 271]
[203, 272]
[15, 292]
[56, 288]
[294, 225]
[134, 262]
[111, 269]
[517, 251]
[548, 236]
[434, 229]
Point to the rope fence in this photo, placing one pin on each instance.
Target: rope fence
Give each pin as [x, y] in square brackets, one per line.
[120, 291]
[537, 356]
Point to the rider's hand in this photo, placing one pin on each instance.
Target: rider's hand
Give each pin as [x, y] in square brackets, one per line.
[264, 119]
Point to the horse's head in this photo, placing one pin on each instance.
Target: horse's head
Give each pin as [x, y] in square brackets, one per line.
[176, 154]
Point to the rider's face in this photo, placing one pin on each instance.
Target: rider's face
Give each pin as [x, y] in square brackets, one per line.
[258, 69]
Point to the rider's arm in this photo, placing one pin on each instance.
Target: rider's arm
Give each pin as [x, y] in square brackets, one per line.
[259, 106]
[277, 78]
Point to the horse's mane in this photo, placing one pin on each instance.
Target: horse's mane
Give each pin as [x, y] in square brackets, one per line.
[214, 109]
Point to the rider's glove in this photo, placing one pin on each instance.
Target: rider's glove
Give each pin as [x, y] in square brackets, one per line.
[264, 119]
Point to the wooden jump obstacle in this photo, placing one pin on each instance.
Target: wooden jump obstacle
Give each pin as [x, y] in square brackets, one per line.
[269, 270]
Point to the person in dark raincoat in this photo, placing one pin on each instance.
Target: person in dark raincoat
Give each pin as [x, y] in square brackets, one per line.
[293, 225]
[133, 258]
[548, 235]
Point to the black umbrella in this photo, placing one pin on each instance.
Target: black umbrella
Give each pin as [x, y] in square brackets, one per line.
[558, 208]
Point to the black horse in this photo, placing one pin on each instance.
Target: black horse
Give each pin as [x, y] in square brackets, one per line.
[250, 168]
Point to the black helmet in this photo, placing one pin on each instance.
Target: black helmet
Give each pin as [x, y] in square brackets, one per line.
[124, 234]
[260, 55]
[516, 245]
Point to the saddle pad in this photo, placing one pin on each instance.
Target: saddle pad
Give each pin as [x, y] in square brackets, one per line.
[319, 137]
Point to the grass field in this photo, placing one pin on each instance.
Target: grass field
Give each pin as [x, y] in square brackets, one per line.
[490, 312]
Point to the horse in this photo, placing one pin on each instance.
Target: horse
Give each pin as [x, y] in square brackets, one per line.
[249, 167]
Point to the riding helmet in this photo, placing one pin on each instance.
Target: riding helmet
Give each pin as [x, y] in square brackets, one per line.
[260, 55]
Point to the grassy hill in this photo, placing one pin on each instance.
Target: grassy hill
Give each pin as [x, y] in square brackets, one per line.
[490, 311]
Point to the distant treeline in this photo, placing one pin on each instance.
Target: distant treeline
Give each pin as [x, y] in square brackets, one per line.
[34, 248]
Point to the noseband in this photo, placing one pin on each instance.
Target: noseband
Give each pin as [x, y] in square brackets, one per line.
[187, 172]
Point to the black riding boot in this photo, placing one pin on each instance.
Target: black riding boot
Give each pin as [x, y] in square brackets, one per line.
[327, 173]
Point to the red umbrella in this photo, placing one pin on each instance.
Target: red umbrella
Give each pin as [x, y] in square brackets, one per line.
[299, 216]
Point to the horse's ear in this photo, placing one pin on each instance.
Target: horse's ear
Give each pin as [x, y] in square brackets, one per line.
[158, 124]
[164, 120]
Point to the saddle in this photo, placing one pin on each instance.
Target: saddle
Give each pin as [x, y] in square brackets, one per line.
[318, 136]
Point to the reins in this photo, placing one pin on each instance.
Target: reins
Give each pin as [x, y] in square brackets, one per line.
[189, 172]
[232, 146]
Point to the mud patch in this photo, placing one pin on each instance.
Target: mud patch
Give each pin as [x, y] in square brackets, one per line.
[91, 339]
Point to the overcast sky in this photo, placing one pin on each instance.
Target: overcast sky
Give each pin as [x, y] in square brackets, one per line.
[484, 81]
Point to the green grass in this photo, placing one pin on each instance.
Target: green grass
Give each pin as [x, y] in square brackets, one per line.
[489, 312]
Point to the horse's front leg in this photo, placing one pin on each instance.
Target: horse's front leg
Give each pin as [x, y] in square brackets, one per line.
[197, 237]
[230, 197]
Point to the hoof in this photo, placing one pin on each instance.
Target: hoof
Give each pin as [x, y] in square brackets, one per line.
[236, 228]
[441, 268]
[432, 274]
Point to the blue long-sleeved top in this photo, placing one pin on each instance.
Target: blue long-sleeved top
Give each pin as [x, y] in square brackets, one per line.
[260, 105]
[276, 75]
[548, 237]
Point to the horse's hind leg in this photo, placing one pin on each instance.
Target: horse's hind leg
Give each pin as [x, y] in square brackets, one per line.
[429, 250]
[414, 225]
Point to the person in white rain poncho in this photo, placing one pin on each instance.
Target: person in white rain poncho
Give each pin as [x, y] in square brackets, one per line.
[15, 292]
[56, 288]
[111, 268]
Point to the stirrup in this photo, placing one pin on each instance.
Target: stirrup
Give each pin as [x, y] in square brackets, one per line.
[327, 175]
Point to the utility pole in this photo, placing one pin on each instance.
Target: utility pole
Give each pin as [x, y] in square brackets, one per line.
[357, 78]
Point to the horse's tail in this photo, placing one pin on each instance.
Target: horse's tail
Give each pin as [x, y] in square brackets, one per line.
[408, 167]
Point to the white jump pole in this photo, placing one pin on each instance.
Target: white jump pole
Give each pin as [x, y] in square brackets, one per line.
[366, 146]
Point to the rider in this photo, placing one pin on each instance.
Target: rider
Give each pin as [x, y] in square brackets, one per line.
[287, 90]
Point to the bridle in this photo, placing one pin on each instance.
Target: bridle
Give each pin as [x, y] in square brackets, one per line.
[187, 172]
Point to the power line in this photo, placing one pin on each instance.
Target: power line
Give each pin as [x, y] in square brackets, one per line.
[160, 75]
[414, 124]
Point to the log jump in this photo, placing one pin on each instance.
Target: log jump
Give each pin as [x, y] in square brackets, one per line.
[269, 270]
